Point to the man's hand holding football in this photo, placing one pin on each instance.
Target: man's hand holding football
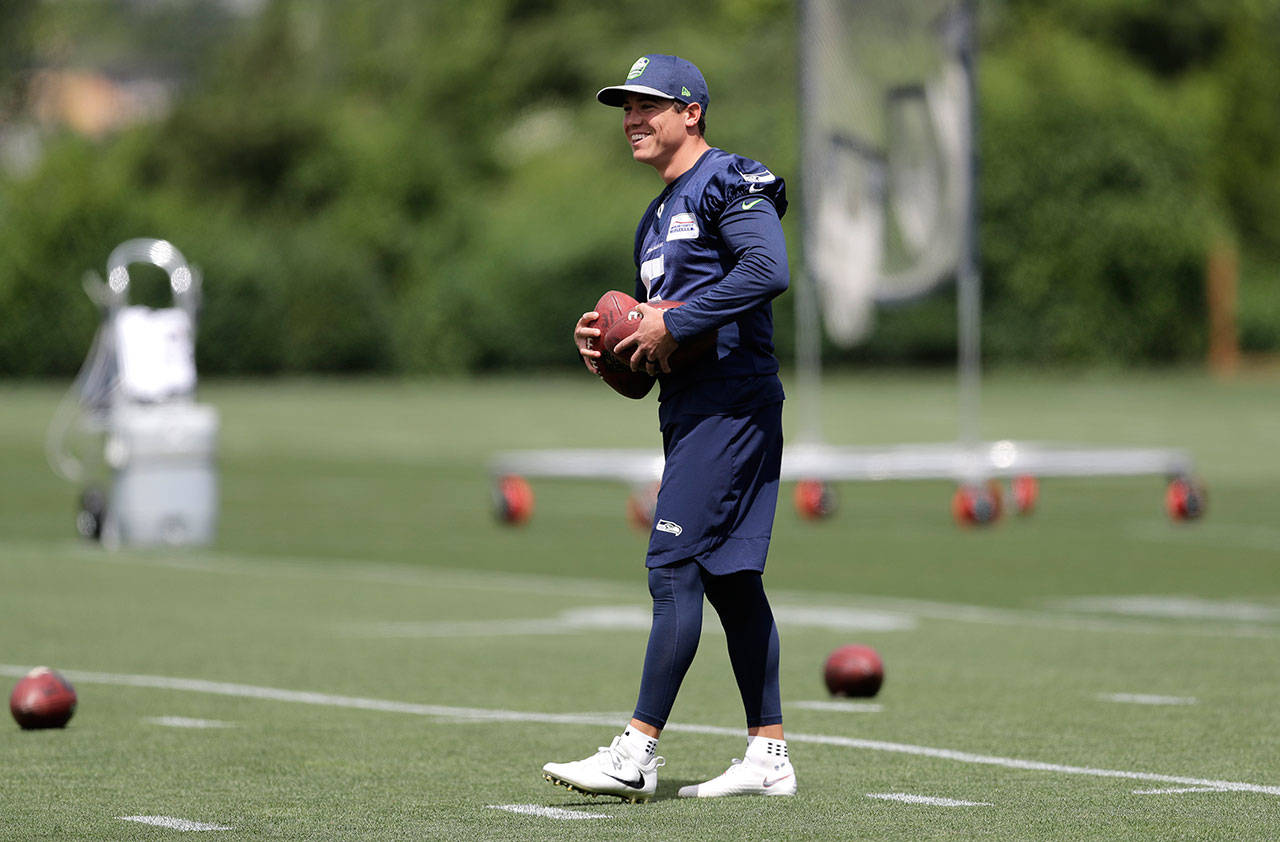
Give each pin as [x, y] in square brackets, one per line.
[651, 346]
[583, 333]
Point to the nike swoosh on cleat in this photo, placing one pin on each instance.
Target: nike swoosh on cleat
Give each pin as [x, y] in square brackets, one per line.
[768, 783]
[633, 799]
[636, 784]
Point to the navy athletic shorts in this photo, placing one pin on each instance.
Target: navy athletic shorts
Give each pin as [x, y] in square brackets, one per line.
[719, 490]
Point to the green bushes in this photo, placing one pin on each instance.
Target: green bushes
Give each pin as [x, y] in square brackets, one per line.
[1095, 209]
[398, 186]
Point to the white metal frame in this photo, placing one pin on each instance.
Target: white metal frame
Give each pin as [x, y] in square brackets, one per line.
[967, 461]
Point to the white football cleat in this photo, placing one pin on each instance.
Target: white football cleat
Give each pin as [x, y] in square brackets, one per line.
[610, 771]
[747, 778]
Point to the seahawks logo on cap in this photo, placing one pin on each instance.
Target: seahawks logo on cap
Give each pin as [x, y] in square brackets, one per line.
[638, 67]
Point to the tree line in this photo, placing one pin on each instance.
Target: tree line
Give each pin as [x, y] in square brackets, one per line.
[397, 186]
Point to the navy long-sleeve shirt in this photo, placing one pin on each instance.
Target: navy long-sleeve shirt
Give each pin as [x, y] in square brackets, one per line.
[713, 239]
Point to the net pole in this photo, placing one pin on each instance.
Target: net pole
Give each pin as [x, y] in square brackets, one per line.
[968, 277]
[808, 331]
[808, 361]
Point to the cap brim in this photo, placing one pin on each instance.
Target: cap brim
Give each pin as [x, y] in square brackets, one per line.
[617, 94]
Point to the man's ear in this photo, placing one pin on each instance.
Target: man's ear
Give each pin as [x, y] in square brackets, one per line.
[692, 114]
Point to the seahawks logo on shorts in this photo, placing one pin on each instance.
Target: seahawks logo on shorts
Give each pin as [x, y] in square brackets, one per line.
[668, 526]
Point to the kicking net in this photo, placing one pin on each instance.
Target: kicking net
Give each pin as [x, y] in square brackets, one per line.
[887, 143]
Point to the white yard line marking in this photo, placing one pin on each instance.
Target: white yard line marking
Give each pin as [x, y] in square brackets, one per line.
[1174, 607]
[547, 812]
[1013, 762]
[628, 618]
[926, 799]
[840, 618]
[185, 722]
[367, 571]
[1177, 790]
[838, 706]
[615, 718]
[485, 714]
[986, 615]
[1147, 699]
[248, 691]
[172, 823]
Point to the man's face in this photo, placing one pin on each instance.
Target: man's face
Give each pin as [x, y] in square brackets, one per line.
[654, 128]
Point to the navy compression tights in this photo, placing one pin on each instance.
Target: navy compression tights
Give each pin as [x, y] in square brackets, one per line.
[739, 599]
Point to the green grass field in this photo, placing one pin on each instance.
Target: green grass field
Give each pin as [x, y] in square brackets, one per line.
[371, 656]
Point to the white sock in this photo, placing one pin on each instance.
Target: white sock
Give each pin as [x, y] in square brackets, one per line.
[765, 751]
[642, 746]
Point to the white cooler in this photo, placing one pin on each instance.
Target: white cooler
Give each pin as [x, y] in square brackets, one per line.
[164, 489]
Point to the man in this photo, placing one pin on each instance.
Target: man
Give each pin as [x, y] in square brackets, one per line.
[713, 240]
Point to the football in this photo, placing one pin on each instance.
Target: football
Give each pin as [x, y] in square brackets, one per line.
[42, 699]
[853, 670]
[613, 308]
[687, 352]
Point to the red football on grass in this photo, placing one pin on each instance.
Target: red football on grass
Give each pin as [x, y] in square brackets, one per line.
[42, 699]
[854, 670]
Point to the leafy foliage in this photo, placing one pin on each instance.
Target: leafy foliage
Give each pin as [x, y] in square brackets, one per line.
[429, 187]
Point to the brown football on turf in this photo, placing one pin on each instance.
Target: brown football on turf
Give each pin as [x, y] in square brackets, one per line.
[42, 699]
[853, 670]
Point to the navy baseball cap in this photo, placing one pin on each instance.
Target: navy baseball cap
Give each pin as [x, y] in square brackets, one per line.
[665, 77]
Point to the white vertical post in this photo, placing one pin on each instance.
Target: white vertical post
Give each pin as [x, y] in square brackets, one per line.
[808, 319]
[809, 360]
[968, 276]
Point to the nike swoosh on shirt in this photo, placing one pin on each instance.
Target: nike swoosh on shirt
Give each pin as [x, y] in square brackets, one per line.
[755, 188]
[638, 783]
[751, 204]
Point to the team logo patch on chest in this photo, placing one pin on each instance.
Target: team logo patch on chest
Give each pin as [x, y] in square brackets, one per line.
[684, 226]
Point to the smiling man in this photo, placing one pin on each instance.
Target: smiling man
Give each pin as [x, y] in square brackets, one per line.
[713, 240]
